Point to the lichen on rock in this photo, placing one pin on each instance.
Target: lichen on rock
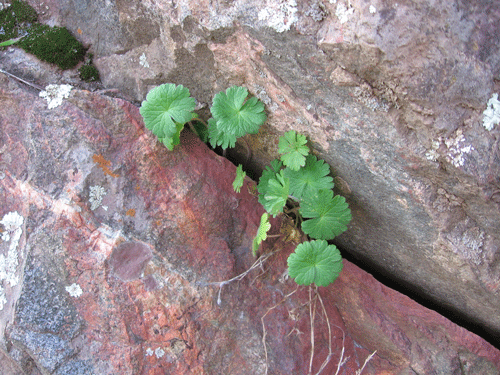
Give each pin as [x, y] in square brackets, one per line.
[54, 94]
[491, 115]
[96, 196]
[12, 223]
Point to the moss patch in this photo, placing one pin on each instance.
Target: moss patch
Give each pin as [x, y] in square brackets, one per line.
[55, 45]
[89, 73]
[15, 20]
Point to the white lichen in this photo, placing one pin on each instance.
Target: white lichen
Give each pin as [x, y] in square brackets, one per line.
[12, 223]
[457, 149]
[159, 352]
[432, 154]
[317, 12]
[261, 93]
[279, 15]
[473, 240]
[95, 196]
[54, 94]
[143, 61]
[364, 94]
[343, 13]
[492, 113]
[74, 290]
[372, 9]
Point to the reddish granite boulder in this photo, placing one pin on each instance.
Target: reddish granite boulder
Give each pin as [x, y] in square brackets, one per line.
[391, 94]
[111, 246]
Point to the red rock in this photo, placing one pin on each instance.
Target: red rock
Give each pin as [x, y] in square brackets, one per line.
[390, 93]
[128, 260]
[84, 319]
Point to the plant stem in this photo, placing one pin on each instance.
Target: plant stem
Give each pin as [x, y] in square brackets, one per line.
[312, 314]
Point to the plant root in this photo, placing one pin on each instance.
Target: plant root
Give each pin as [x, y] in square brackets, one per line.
[264, 326]
[258, 263]
[358, 372]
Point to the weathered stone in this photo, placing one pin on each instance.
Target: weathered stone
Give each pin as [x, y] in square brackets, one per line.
[86, 308]
[128, 260]
[390, 93]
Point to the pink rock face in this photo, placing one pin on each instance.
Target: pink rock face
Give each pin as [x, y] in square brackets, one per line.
[124, 245]
[391, 93]
[128, 260]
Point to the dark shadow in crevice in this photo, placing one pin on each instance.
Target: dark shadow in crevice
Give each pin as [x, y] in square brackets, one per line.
[237, 156]
[413, 292]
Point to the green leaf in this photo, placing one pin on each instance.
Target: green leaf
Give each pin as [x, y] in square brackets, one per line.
[219, 138]
[315, 262]
[268, 173]
[9, 42]
[201, 130]
[165, 107]
[327, 216]
[236, 116]
[261, 233]
[276, 195]
[307, 181]
[240, 177]
[174, 139]
[294, 150]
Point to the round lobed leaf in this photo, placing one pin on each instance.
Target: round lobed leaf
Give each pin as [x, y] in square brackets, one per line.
[236, 116]
[239, 179]
[292, 146]
[327, 215]
[219, 138]
[261, 233]
[276, 194]
[311, 178]
[165, 106]
[315, 262]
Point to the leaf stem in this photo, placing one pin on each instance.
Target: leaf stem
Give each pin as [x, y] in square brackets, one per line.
[312, 313]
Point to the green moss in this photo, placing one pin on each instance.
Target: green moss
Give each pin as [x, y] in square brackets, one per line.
[55, 45]
[16, 19]
[89, 73]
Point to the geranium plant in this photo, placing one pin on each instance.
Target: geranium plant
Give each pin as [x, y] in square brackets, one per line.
[297, 180]
[297, 176]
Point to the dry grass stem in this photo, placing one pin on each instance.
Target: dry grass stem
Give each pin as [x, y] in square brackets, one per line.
[22, 80]
[264, 326]
[358, 372]
[258, 263]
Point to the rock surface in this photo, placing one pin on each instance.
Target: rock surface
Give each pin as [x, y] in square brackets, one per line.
[111, 245]
[391, 93]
